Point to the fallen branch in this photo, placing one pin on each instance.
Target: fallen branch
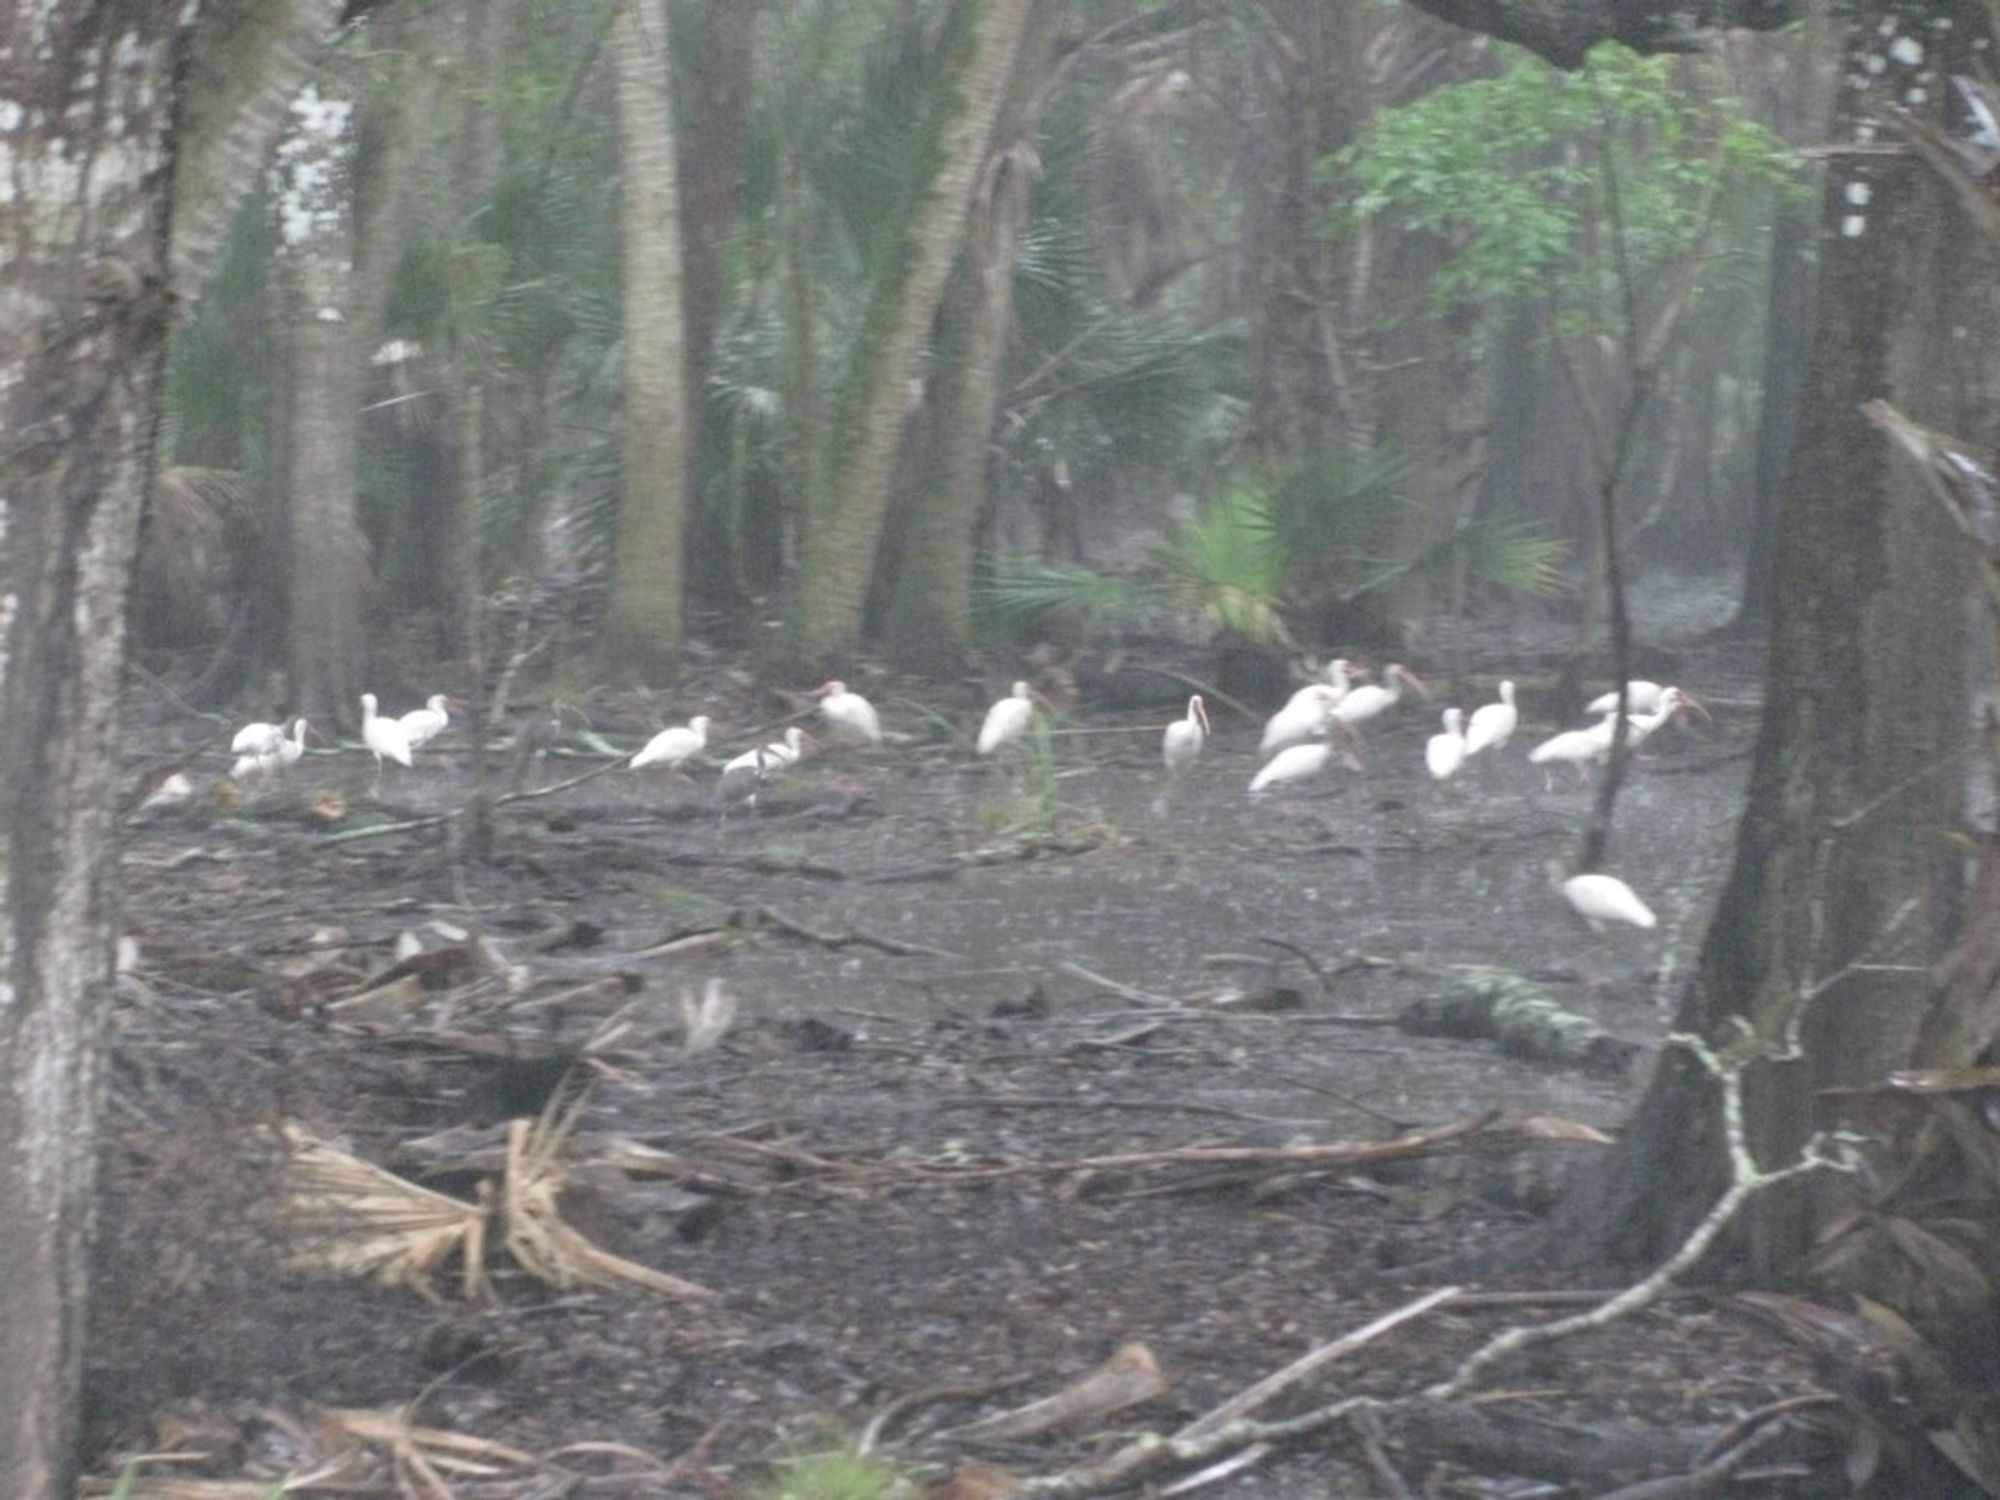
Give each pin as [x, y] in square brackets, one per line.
[854, 937]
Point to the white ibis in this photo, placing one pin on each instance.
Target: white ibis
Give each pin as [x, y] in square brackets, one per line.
[1373, 699]
[263, 763]
[422, 725]
[788, 752]
[1181, 745]
[744, 776]
[385, 737]
[1007, 720]
[1672, 703]
[672, 746]
[850, 715]
[1578, 749]
[1601, 899]
[258, 739]
[1295, 763]
[1493, 724]
[1641, 697]
[1340, 675]
[1303, 717]
[1445, 753]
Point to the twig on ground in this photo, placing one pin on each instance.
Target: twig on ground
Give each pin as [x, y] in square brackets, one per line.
[854, 937]
[1122, 991]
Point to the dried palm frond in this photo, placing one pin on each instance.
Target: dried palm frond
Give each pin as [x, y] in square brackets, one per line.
[546, 1245]
[354, 1218]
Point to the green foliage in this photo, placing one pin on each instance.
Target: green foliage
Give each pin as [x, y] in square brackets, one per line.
[832, 1475]
[1026, 595]
[1227, 568]
[1512, 171]
[1028, 802]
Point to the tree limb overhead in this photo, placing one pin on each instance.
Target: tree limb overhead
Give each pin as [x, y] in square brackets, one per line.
[1563, 31]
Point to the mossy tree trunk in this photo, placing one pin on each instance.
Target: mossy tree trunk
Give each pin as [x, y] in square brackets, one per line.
[312, 203]
[930, 616]
[81, 81]
[1842, 886]
[843, 528]
[641, 635]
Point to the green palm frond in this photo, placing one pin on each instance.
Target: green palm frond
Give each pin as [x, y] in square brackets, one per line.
[1027, 594]
[1227, 567]
[1514, 555]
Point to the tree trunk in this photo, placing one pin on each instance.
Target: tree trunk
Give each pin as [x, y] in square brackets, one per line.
[642, 618]
[841, 535]
[248, 65]
[312, 199]
[1840, 864]
[80, 365]
[711, 187]
[930, 619]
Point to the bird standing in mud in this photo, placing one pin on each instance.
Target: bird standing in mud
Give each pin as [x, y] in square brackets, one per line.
[1180, 747]
[384, 738]
[1007, 720]
[850, 715]
[1445, 753]
[265, 762]
[422, 725]
[672, 746]
[1492, 724]
[1293, 764]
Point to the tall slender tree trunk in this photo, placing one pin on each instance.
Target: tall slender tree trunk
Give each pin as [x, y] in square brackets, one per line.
[1841, 890]
[312, 200]
[842, 535]
[642, 618]
[711, 185]
[930, 617]
[81, 81]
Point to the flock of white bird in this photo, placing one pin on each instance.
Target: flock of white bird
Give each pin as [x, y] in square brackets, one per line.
[1298, 743]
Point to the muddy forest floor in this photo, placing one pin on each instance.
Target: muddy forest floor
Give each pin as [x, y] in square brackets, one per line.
[826, 1178]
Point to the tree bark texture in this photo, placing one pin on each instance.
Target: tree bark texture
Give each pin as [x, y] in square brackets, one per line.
[1564, 31]
[85, 92]
[1841, 862]
[250, 61]
[642, 621]
[842, 535]
[930, 618]
[312, 201]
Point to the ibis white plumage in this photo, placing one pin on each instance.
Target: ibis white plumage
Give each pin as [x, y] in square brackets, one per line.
[788, 752]
[1578, 749]
[672, 746]
[258, 739]
[1641, 697]
[1445, 753]
[1340, 675]
[1181, 745]
[1493, 724]
[264, 763]
[1293, 764]
[384, 737]
[1304, 717]
[1372, 699]
[1007, 720]
[745, 775]
[422, 725]
[850, 715]
[1601, 900]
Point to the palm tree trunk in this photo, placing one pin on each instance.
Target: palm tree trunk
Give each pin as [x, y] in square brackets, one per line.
[88, 81]
[642, 620]
[312, 200]
[841, 536]
[248, 66]
[930, 616]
